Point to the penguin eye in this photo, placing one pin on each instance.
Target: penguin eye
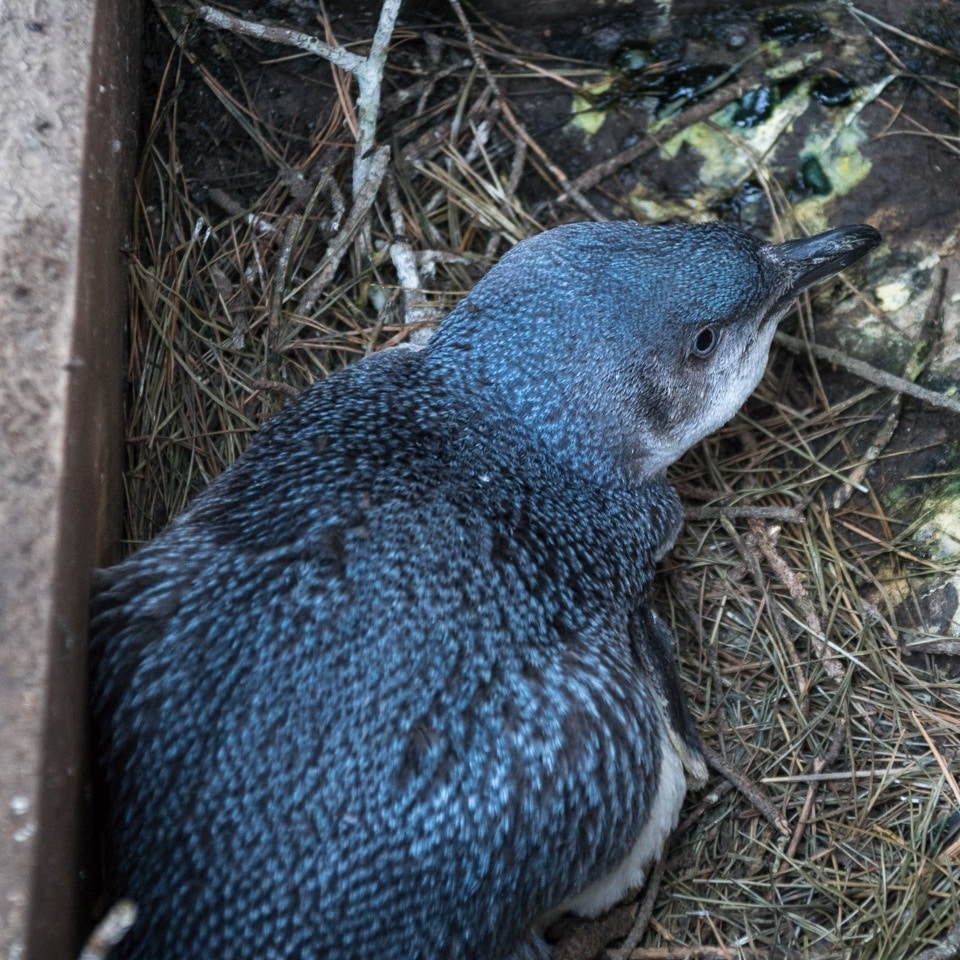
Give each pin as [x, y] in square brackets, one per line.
[705, 341]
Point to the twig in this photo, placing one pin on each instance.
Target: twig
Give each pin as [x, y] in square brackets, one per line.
[866, 372]
[581, 937]
[840, 775]
[110, 930]
[798, 592]
[642, 919]
[368, 70]
[749, 789]
[697, 952]
[782, 514]
[516, 169]
[226, 203]
[509, 191]
[401, 253]
[946, 648]
[280, 272]
[819, 765]
[276, 386]
[369, 80]
[706, 108]
[362, 202]
[405, 262]
[339, 57]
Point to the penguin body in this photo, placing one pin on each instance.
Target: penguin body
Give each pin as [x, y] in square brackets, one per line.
[392, 686]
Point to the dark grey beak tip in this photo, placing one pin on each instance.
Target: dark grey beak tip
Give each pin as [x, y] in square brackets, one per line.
[813, 259]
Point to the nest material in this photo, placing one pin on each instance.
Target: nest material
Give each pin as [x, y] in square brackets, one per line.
[832, 830]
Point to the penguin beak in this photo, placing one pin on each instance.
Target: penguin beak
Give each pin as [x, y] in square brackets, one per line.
[812, 259]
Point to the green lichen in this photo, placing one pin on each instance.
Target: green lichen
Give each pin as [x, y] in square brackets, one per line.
[938, 533]
[892, 296]
[587, 118]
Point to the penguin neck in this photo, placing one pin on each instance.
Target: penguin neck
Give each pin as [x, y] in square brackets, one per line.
[565, 414]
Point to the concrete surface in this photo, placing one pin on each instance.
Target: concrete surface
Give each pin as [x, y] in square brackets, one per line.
[69, 76]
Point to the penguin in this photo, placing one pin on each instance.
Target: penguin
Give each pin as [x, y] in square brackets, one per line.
[392, 685]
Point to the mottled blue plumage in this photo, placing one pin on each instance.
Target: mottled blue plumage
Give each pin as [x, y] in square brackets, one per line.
[391, 686]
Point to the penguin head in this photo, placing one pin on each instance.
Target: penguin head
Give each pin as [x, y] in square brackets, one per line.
[622, 345]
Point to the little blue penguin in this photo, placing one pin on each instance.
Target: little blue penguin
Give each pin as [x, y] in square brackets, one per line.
[391, 687]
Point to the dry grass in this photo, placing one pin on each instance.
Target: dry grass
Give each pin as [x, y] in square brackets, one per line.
[790, 630]
[855, 750]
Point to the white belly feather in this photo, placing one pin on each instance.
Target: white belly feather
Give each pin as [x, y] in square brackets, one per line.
[675, 764]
